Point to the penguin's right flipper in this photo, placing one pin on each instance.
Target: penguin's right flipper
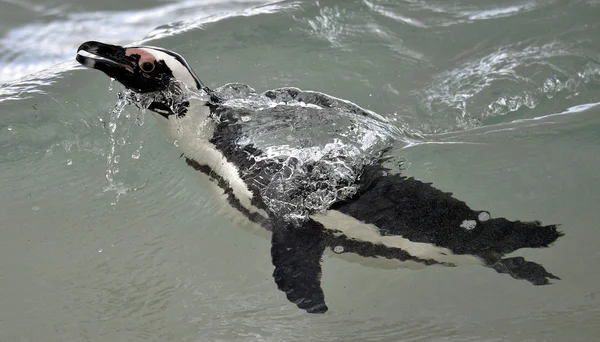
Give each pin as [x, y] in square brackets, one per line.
[296, 253]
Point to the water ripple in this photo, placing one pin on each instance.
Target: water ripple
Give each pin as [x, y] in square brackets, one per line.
[449, 13]
[504, 81]
[186, 25]
[347, 28]
[391, 13]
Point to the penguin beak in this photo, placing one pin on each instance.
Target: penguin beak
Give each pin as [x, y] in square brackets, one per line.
[110, 59]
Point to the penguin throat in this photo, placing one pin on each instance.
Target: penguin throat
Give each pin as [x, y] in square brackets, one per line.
[178, 103]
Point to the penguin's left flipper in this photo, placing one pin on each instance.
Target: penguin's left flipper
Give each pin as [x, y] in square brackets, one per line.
[296, 253]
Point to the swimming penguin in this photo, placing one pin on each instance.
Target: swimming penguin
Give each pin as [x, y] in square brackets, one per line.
[389, 217]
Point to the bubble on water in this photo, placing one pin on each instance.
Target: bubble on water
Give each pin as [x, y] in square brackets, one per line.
[112, 126]
[69, 162]
[121, 141]
[136, 154]
[117, 158]
[245, 118]
[35, 208]
[10, 128]
[176, 143]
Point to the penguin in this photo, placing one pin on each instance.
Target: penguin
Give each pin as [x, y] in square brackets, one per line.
[389, 217]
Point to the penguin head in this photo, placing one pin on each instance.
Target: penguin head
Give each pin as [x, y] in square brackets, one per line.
[142, 69]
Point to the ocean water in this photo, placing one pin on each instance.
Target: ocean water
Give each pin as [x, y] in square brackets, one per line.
[106, 234]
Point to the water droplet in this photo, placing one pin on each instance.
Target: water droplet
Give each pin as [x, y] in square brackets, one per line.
[35, 208]
[117, 159]
[135, 154]
[69, 162]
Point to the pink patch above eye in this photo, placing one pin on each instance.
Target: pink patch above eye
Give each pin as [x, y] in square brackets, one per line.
[145, 56]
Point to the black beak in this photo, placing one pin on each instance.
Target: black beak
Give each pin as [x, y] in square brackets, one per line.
[110, 59]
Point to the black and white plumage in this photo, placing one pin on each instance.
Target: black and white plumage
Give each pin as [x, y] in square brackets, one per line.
[388, 217]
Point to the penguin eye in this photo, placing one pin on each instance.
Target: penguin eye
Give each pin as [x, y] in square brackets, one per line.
[147, 66]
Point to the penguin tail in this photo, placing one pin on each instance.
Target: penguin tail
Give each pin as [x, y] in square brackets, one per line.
[535, 235]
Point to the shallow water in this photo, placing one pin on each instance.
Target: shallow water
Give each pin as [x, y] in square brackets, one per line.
[107, 235]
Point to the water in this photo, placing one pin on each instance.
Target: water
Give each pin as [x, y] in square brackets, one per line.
[107, 235]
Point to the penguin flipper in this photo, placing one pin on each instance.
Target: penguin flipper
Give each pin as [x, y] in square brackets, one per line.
[296, 253]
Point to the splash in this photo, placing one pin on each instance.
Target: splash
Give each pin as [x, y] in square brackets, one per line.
[314, 145]
[124, 140]
[120, 125]
[312, 179]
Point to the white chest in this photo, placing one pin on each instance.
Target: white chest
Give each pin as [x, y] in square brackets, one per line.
[192, 135]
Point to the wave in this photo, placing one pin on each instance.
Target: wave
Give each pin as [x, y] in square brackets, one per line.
[40, 44]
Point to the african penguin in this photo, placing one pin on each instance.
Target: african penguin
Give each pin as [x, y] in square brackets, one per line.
[389, 217]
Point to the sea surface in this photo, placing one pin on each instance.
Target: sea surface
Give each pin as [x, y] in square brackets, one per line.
[106, 234]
